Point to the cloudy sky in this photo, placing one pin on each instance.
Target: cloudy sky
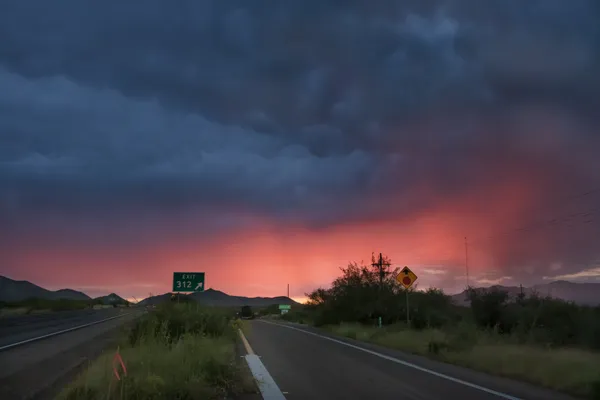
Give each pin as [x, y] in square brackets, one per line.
[271, 142]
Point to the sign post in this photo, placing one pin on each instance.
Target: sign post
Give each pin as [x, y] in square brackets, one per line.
[407, 310]
[406, 278]
[188, 281]
[284, 308]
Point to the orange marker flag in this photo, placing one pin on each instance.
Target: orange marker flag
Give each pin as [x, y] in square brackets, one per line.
[117, 358]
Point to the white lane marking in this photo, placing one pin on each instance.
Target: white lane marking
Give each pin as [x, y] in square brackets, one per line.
[405, 363]
[266, 384]
[10, 346]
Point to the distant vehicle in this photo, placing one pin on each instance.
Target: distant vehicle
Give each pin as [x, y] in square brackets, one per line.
[247, 313]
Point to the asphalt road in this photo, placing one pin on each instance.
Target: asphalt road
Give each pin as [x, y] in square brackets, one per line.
[35, 370]
[19, 328]
[307, 366]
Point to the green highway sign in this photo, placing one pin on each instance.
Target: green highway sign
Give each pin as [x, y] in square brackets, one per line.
[285, 307]
[188, 281]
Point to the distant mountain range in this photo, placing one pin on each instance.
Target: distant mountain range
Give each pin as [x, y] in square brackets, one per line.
[111, 299]
[579, 293]
[212, 297]
[12, 291]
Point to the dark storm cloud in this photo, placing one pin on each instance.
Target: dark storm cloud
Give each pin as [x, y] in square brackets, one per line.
[307, 109]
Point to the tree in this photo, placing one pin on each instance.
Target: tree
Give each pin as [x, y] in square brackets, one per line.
[488, 306]
[318, 297]
[362, 293]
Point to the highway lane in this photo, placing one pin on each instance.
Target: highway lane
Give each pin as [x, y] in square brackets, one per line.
[38, 367]
[307, 366]
[20, 328]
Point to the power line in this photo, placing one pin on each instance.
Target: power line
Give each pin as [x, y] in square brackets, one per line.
[549, 223]
[560, 202]
[578, 195]
[553, 222]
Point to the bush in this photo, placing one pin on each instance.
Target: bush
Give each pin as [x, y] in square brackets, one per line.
[299, 315]
[537, 339]
[45, 304]
[488, 307]
[595, 390]
[181, 351]
[359, 296]
[269, 310]
[171, 321]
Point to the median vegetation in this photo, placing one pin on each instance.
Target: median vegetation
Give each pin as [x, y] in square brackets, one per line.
[178, 351]
[545, 341]
[39, 305]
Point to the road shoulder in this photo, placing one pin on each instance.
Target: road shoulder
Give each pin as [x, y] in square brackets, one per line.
[37, 370]
[263, 380]
[494, 383]
[249, 388]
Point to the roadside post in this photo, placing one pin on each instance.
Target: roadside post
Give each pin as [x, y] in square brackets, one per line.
[380, 264]
[284, 308]
[406, 278]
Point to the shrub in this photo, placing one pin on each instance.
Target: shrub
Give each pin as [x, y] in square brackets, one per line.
[181, 351]
[359, 296]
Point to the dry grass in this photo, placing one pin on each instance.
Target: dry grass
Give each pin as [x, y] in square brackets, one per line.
[194, 368]
[9, 311]
[572, 371]
[185, 353]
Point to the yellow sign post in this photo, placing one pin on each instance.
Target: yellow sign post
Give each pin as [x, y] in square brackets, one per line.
[406, 278]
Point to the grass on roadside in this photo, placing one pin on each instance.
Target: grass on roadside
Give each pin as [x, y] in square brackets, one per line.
[298, 316]
[40, 305]
[179, 352]
[569, 370]
[12, 311]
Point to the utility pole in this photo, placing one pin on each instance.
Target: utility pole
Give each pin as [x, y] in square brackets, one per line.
[407, 310]
[379, 264]
[288, 291]
[467, 260]
[521, 295]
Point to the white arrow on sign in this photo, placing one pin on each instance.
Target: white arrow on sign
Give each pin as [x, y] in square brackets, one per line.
[199, 286]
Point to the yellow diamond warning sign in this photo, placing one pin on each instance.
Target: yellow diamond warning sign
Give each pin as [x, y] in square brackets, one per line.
[406, 277]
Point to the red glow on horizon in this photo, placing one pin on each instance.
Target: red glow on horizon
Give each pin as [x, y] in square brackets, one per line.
[263, 258]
